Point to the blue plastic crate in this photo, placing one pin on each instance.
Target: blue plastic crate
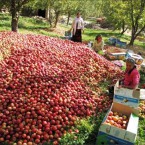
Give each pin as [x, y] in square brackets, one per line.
[121, 44]
[112, 40]
[68, 33]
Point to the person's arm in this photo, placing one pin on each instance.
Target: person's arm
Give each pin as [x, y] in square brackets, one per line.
[82, 24]
[72, 25]
[128, 87]
[102, 45]
[135, 81]
[94, 45]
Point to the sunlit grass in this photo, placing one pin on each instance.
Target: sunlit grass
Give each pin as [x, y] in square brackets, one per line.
[41, 26]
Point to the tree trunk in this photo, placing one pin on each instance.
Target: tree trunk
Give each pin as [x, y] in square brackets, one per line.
[68, 17]
[15, 16]
[123, 27]
[50, 18]
[132, 41]
[123, 30]
[14, 23]
[133, 36]
[56, 19]
[47, 14]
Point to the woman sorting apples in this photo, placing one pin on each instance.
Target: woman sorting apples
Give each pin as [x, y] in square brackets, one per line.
[98, 43]
[77, 26]
[131, 76]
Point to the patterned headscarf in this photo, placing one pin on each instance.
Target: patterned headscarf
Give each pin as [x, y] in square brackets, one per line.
[131, 60]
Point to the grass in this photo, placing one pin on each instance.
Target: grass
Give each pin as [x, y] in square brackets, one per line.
[41, 26]
[89, 35]
[27, 25]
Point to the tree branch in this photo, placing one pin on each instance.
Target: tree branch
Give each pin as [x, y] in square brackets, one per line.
[132, 18]
[142, 5]
[21, 3]
[140, 31]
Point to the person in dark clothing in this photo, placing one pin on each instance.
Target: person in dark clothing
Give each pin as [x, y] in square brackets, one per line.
[77, 26]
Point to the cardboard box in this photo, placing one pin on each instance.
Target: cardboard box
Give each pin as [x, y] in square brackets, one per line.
[138, 59]
[115, 53]
[112, 135]
[116, 56]
[128, 97]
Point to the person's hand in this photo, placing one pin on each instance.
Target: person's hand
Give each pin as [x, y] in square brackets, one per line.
[121, 86]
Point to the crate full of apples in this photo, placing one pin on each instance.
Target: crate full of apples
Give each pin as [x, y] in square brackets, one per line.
[117, 119]
[128, 97]
[120, 126]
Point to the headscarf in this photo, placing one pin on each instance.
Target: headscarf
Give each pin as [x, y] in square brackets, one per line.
[132, 61]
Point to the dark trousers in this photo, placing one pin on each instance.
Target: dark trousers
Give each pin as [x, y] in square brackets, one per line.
[78, 36]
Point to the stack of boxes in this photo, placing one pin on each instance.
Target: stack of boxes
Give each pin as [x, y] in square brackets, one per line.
[125, 102]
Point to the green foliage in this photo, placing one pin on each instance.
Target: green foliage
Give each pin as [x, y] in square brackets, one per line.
[141, 133]
[104, 85]
[85, 131]
[4, 3]
[116, 13]
[27, 25]
[79, 133]
[123, 68]
[126, 14]
[142, 78]
[5, 22]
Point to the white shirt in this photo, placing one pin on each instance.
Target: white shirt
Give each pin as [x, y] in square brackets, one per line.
[80, 24]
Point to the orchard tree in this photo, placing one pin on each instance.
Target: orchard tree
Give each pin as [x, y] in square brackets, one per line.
[14, 7]
[58, 8]
[54, 9]
[126, 14]
[91, 8]
[115, 13]
[137, 17]
[71, 7]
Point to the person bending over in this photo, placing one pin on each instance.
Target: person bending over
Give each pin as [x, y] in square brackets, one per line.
[131, 75]
[98, 43]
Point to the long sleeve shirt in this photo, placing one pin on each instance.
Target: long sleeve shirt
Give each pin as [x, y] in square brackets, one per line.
[98, 46]
[78, 23]
[132, 80]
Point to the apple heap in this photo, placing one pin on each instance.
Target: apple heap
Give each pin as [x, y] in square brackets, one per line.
[46, 85]
[117, 119]
[142, 109]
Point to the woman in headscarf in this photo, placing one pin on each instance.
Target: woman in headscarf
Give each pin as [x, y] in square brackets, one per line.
[132, 76]
[98, 43]
[77, 26]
